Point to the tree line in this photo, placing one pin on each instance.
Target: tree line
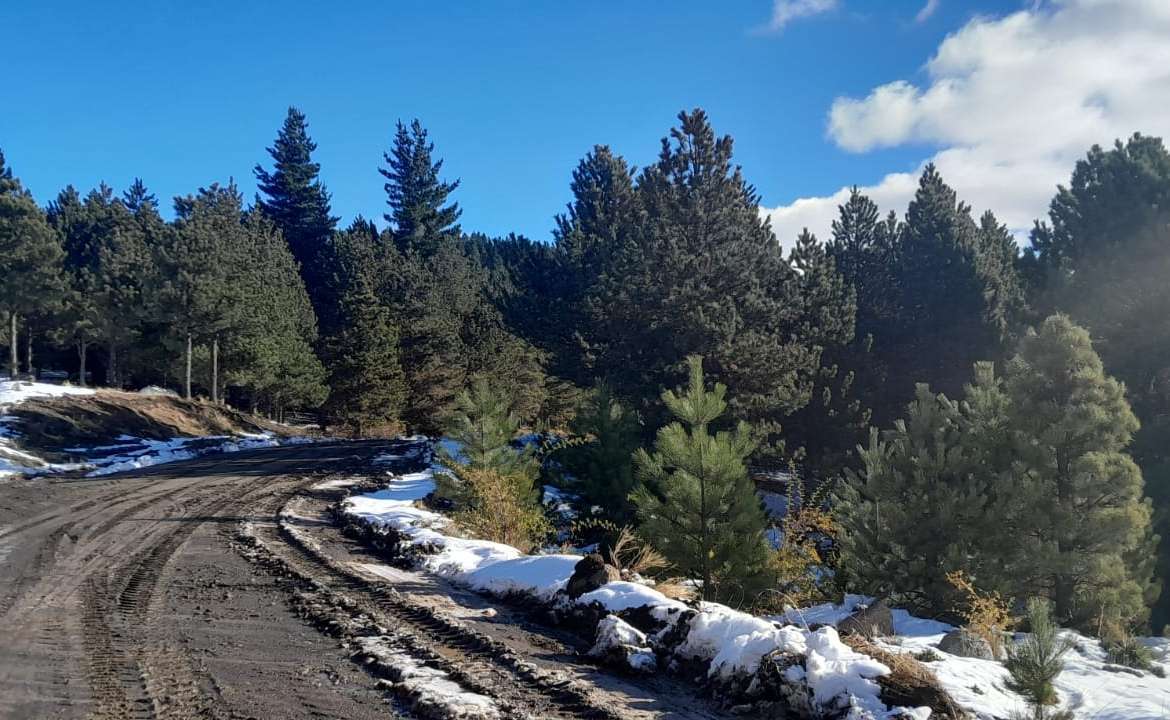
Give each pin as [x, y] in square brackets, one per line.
[1006, 386]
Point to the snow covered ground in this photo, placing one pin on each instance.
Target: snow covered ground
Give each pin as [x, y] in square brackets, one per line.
[1085, 686]
[734, 642]
[129, 453]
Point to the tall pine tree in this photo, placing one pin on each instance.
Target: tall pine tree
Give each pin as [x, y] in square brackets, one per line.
[293, 197]
[30, 259]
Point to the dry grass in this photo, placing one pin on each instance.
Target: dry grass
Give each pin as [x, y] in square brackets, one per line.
[986, 614]
[676, 589]
[51, 424]
[910, 683]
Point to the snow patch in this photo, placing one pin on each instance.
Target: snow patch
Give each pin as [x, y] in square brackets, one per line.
[429, 690]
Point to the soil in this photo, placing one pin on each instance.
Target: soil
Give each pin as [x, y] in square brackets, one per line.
[48, 426]
[182, 591]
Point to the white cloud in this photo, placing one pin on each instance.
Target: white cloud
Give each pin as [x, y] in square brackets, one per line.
[1011, 103]
[926, 11]
[785, 11]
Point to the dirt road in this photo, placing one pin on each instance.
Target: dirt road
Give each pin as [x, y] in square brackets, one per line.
[218, 588]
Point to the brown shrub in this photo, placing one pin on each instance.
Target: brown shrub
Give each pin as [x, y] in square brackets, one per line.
[910, 683]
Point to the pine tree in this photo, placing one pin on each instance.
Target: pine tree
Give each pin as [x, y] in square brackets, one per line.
[595, 241]
[1024, 486]
[822, 435]
[602, 466]
[928, 500]
[294, 198]
[30, 259]
[368, 387]
[137, 198]
[483, 425]
[695, 501]
[1112, 196]
[1035, 663]
[199, 298]
[109, 265]
[1103, 257]
[269, 351]
[420, 219]
[1085, 493]
[706, 276]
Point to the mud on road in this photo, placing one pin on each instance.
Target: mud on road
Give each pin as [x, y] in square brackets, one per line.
[219, 588]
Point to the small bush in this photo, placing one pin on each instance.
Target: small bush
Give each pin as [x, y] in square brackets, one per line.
[499, 508]
[806, 529]
[629, 554]
[986, 615]
[1035, 663]
[1125, 649]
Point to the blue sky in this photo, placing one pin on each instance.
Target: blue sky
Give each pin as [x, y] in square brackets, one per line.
[514, 93]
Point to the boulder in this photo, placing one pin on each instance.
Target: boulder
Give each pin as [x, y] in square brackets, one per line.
[964, 643]
[873, 621]
[590, 573]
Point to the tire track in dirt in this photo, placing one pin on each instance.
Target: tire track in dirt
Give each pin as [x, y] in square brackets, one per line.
[472, 659]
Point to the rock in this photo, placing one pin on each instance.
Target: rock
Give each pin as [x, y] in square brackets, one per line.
[873, 621]
[623, 646]
[965, 643]
[590, 573]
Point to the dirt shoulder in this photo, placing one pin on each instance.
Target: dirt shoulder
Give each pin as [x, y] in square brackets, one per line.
[50, 426]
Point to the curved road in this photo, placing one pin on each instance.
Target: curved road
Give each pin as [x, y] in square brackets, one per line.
[219, 588]
[118, 600]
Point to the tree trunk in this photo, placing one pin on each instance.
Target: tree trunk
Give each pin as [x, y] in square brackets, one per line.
[82, 347]
[187, 384]
[112, 367]
[28, 353]
[12, 347]
[215, 370]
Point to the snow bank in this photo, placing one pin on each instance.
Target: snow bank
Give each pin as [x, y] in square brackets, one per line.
[731, 642]
[980, 686]
[17, 391]
[14, 461]
[620, 642]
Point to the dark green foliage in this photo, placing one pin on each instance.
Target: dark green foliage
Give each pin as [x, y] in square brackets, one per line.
[823, 434]
[695, 501]
[229, 284]
[1024, 486]
[1103, 258]
[419, 216]
[438, 292]
[1113, 196]
[367, 383]
[928, 501]
[138, 199]
[602, 466]
[30, 259]
[270, 349]
[294, 198]
[110, 267]
[1035, 663]
[685, 265]
[950, 313]
[595, 240]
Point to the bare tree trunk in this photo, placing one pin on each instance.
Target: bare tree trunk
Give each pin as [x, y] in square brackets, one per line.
[187, 385]
[82, 348]
[112, 367]
[12, 347]
[28, 353]
[215, 370]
